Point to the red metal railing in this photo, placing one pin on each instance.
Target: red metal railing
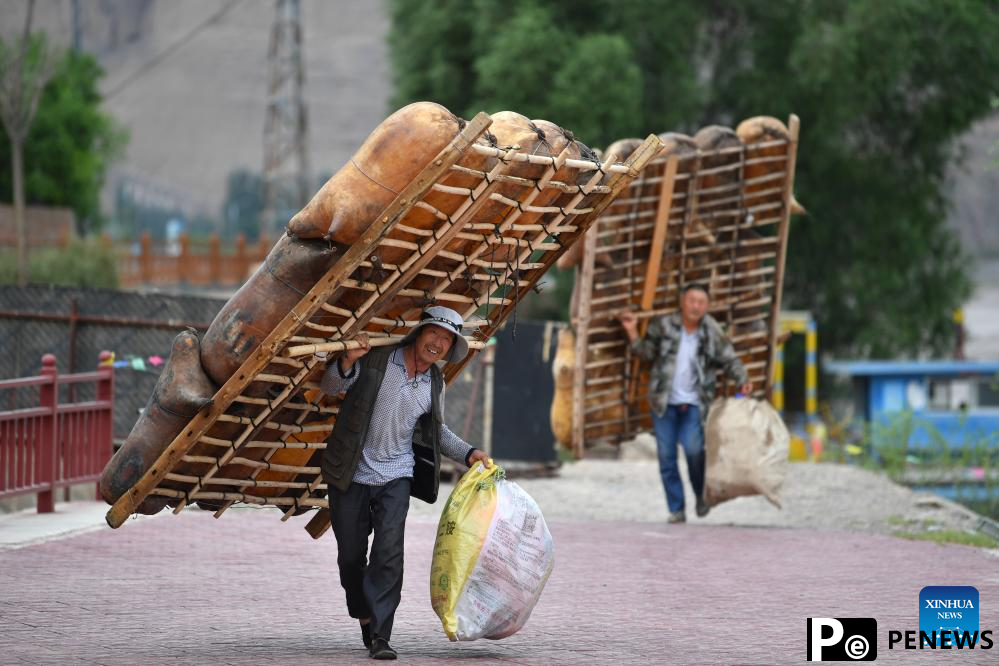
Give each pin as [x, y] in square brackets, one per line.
[55, 445]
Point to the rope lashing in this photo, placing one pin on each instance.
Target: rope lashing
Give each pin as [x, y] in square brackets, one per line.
[554, 237]
[540, 132]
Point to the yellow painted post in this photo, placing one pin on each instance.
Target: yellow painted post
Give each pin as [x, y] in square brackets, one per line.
[777, 394]
[811, 374]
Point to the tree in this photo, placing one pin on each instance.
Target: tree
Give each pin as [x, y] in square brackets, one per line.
[536, 70]
[882, 88]
[24, 71]
[72, 142]
[600, 85]
[431, 51]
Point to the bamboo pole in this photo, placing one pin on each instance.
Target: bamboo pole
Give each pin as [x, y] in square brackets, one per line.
[794, 126]
[527, 182]
[244, 483]
[343, 345]
[631, 244]
[240, 497]
[591, 425]
[579, 370]
[608, 379]
[582, 165]
[603, 364]
[624, 296]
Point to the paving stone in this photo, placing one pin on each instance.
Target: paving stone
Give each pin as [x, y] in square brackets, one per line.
[248, 589]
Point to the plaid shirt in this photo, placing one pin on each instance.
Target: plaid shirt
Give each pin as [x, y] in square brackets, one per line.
[714, 353]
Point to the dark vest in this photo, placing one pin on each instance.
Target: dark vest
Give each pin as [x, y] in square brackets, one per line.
[344, 446]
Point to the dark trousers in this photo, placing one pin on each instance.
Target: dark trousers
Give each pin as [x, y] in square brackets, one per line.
[373, 585]
[680, 423]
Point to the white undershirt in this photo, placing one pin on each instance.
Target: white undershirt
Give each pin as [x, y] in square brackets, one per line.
[684, 389]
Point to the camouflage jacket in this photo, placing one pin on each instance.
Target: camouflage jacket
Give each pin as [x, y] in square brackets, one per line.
[714, 353]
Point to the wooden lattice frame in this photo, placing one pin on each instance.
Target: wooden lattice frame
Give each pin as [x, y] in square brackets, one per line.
[643, 243]
[286, 359]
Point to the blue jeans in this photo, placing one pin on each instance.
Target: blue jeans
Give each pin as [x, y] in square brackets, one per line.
[683, 423]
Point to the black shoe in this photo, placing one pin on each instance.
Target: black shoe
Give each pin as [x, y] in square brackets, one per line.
[366, 635]
[380, 649]
[702, 507]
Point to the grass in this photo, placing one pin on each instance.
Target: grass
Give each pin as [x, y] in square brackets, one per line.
[889, 447]
[928, 533]
[899, 521]
[951, 536]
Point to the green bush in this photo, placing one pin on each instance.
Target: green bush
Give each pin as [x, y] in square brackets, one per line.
[85, 263]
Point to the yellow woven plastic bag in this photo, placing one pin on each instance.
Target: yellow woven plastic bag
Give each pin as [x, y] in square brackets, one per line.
[492, 557]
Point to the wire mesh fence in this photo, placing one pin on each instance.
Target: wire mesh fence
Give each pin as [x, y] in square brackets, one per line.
[76, 324]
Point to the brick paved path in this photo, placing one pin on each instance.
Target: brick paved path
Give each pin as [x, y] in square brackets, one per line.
[248, 589]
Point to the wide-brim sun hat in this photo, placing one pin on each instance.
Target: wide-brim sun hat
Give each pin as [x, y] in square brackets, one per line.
[450, 321]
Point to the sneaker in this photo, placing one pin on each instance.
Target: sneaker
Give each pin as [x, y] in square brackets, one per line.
[380, 649]
[677, 517]
[366, 635]
[702, 507]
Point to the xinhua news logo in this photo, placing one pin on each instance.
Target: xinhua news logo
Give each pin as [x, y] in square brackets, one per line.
[842, 639]
[948, 620]
[946, 614]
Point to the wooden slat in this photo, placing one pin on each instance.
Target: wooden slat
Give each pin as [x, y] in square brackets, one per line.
[655, 257]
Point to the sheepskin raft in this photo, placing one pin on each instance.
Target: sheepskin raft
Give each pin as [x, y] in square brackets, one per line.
[712, 209]
[430, 209]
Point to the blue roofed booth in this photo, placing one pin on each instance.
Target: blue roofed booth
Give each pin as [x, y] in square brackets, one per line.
[955, 402]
